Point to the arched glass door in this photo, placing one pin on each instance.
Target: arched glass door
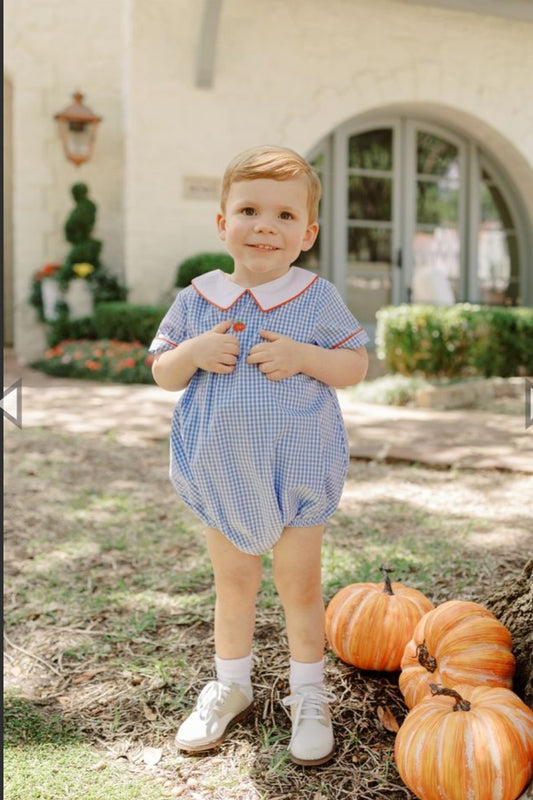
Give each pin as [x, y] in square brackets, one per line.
[412, 212]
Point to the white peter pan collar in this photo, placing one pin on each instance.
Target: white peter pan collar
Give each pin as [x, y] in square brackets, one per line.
[218, 289]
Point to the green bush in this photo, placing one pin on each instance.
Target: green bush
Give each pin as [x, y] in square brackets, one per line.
[456, 341]
[65, 328]
[203, 262]
[123, 321]
[128, 322]
[389, 390]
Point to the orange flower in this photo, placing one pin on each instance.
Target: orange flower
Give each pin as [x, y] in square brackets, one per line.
[92, 365]
[53, 352]
[47, 271]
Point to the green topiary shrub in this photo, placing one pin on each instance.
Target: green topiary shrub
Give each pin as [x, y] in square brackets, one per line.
[203, 262]
[78, 229]
[81, 263]
[456, 341]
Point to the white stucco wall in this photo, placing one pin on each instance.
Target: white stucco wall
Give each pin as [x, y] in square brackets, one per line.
[289, 73]
[286, 71]
[51, 49]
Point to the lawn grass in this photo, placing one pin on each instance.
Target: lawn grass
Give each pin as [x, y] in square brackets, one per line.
[45, 757]
[109, 610]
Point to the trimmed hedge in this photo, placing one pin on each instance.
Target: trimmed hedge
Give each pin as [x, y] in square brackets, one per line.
[120, 321]
[65, 328]
[127, 322]
[203, 262]
[456, 341]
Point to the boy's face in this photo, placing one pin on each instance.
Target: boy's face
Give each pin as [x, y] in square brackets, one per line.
[265, 227]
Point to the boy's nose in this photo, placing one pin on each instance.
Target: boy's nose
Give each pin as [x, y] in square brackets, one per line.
[263, 224]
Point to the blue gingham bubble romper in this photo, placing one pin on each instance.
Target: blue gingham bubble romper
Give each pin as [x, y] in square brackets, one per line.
[248, 455]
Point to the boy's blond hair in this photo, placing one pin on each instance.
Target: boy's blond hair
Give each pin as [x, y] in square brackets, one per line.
[276, 163]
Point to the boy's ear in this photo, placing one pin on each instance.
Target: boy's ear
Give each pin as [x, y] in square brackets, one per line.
[310, 235]
[221, 225]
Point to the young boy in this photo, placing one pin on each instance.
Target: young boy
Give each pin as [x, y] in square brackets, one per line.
[258, 445]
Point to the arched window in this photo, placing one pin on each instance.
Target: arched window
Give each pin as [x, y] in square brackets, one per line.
[414, 212]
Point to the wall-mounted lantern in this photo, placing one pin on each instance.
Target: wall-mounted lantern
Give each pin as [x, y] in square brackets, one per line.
[77, 129]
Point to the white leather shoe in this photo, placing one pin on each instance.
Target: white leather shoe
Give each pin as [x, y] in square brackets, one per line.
[218, 707]
[312, 740]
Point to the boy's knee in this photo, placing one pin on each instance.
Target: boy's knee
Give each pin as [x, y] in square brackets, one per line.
[238, 584]
[298, 592]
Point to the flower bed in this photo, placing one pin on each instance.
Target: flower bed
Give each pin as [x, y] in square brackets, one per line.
[100, 360]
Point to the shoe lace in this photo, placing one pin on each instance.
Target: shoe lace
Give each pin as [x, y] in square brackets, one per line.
[212, 698]
[310, 703]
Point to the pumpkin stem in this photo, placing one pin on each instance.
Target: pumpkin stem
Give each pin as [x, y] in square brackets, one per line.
[460, 703]
[424, 659]
[387, 589]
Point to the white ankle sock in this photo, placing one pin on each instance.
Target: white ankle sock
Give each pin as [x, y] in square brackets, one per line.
[303, 673]
[235, 670]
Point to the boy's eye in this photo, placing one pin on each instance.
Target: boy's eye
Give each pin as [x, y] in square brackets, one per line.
[286, 215]
[248, 211]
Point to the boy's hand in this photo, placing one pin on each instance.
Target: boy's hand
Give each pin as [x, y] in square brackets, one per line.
[278, 358]
[216, 350]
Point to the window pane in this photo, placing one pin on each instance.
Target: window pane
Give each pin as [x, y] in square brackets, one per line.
[493, 206]
[371, 150]
[498, 257]
[436, 266]
[368, 271]
[435, 156]
[437, 202]
[369, 198]
[369, 245]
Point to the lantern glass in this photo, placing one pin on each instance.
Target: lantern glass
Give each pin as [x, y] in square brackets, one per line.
[77, 130]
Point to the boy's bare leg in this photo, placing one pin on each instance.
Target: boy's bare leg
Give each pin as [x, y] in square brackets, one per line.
[237, 581]
[297, 575]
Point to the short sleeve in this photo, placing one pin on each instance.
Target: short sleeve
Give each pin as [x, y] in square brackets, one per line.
[173, 328]
[335, 325]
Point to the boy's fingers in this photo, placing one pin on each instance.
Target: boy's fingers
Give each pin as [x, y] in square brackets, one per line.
[222, 327]
[272, 336]
[257, 354]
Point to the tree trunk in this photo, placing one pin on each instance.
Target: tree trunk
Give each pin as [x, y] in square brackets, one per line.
[512, 604]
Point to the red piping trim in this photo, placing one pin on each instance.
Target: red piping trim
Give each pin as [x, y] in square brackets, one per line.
[164, 339]
[347, 339]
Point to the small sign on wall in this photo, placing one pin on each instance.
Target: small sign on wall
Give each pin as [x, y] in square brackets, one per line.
[201, 187]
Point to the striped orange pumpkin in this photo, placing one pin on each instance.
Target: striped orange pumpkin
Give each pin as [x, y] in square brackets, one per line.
[369, 624]
[471, 743]
[457, 642]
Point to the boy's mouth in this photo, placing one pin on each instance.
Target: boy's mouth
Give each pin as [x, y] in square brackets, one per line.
[263, 246]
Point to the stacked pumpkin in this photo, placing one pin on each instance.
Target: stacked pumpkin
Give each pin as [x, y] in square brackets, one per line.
[453, 658]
